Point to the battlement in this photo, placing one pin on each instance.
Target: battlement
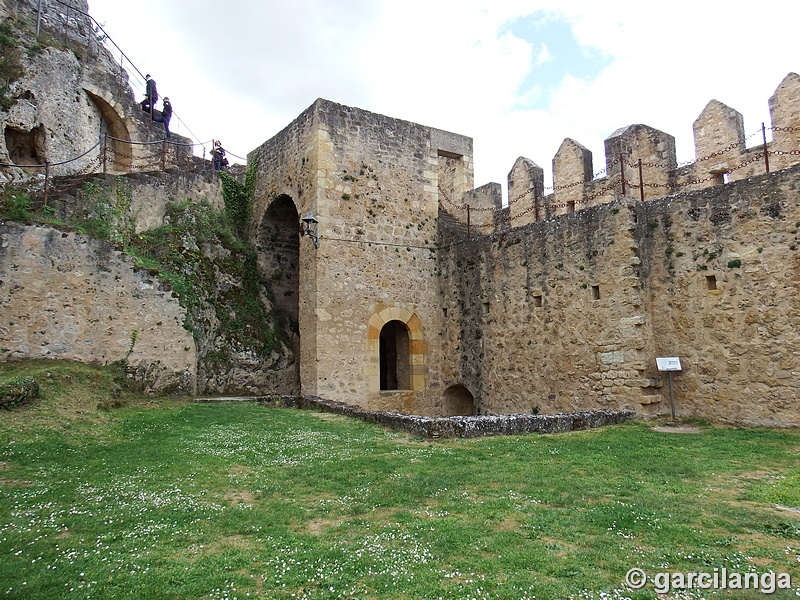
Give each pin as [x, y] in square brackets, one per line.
[640, 163]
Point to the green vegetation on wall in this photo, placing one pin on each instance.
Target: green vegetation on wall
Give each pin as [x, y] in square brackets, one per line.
[239, 199]
[200, 252]
[105, 217]
[179, 253]
[10, 64]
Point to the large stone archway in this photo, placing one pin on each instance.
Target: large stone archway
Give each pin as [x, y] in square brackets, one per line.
[278, 248]
[121, 152]
[396, 318]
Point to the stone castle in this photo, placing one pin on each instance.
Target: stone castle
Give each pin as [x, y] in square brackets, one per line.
[417, 292]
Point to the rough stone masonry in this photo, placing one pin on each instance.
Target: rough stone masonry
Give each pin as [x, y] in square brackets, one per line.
[426, 295]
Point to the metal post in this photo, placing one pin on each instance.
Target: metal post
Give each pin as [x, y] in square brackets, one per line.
[105, 153]
[46, 181]
[641, 182]
[622, 173]
[536, 203]
[164, 155]
[39, 19]
[671, 397]
[468, 223]
[766, 154]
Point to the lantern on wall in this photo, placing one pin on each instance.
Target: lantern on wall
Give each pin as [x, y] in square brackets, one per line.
[310, 226]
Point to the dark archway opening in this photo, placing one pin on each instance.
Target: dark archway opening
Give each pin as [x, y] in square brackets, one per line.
[25, 147]
[395, 357]
[457, 400]
[120, 155]
[278, 248]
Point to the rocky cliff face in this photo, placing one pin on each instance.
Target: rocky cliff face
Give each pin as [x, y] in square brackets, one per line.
[61, 93]
[135, 268]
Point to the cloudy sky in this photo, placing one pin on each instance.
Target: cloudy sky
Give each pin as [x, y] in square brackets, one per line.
[516, 76]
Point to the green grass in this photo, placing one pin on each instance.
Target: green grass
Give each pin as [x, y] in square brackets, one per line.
[166, 499]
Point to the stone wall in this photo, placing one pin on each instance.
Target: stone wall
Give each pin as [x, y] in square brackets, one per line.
[571, 313]
[565, 313]
[69, 296]
[223, 358]
[447, 427]
[721, 271]
[149, 193]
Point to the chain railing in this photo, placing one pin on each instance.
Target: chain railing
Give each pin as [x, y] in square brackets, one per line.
[159, 160]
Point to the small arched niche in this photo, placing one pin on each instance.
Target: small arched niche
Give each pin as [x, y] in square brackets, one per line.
[395, 356]
[457, 400]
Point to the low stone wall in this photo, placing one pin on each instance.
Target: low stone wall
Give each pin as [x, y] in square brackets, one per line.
[448, 427]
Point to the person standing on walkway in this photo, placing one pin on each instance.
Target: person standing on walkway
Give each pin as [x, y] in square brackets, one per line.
[150, 95]
[218, 156]
[165, 116]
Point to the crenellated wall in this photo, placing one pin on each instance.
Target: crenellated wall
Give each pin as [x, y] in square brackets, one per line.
[640, 162]
[553, 303]
[571, 313]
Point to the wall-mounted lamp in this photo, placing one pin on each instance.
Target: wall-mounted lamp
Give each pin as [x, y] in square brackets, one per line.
[310, 227]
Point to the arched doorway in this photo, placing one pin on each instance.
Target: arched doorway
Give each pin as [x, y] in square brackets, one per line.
[395, 357]
[405, 331]
[457, 400]
[120, 154]
[278, 249]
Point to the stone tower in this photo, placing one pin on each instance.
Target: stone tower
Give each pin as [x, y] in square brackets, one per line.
[365, 302]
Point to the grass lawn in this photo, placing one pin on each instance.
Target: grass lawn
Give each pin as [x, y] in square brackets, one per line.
[165, 499]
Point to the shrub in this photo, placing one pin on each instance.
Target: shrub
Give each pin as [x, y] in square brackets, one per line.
[16, 391]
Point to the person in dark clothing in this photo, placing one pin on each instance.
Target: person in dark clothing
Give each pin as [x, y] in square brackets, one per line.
[150, 95]
[165, 116]
[218, 156]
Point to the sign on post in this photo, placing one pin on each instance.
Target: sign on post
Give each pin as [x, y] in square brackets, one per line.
[669, 364]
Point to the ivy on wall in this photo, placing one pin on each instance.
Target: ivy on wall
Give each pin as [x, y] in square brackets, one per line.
[10, 64]
[238, 199]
